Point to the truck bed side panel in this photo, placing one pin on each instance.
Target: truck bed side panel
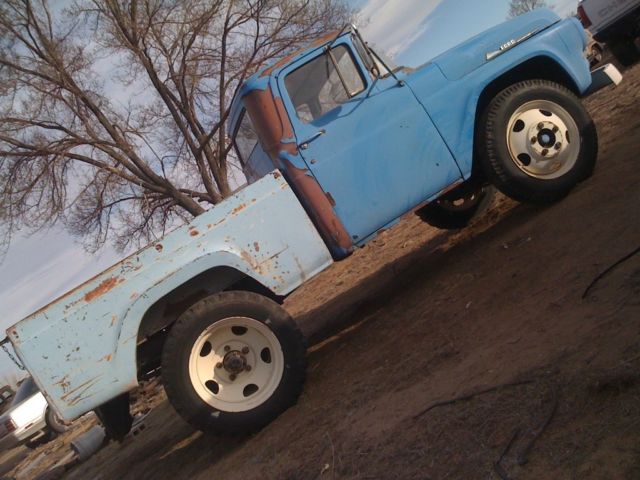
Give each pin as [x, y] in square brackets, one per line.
[81, 349]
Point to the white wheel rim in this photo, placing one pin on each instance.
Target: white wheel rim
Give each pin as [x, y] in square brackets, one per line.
[236, 364]
[543, 139]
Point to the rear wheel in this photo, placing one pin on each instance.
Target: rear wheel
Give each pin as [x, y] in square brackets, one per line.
[233, 362]
[536, 141]
[456, 209]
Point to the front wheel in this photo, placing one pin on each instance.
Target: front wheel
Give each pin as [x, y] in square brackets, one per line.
[233, 362]
[536, 141]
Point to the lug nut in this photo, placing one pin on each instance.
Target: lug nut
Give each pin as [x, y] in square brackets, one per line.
[219, 365]
[544, 152]
[227, 348]
[555, 128]
[540, 126]
[245, 350]
[248, 368]
[533, 140]
[232, 377]
[558, 145]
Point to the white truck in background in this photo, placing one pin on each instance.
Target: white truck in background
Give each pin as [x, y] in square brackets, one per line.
[616, 23]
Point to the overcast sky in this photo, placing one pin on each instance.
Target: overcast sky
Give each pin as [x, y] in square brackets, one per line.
[40, 267]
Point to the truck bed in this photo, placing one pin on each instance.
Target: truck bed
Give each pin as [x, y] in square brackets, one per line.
[81, 348]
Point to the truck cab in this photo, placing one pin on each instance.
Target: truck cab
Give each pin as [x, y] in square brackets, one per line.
[362, 142]
[348, 133]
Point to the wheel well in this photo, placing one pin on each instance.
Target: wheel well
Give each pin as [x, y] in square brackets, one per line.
[539, 68]
[158, 319]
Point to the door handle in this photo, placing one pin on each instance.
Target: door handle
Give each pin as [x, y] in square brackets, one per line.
[304, 145]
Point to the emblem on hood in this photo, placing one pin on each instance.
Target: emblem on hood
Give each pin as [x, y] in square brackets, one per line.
[505, 47]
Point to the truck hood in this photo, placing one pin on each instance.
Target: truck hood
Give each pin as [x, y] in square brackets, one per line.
[472, 54]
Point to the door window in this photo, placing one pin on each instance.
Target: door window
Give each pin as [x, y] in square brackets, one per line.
[324, 83]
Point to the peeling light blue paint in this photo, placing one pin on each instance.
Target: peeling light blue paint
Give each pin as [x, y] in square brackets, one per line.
[89, 336]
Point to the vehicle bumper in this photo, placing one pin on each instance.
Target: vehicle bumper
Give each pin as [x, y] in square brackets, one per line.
[602, 77]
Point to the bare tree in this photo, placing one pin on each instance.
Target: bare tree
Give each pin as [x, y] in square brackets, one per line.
[113, 113]
[518, 7]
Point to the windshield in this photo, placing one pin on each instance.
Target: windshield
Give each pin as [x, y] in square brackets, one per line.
[324, 83]
[245, 139]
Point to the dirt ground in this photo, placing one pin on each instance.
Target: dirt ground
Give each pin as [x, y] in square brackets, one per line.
[437, 355]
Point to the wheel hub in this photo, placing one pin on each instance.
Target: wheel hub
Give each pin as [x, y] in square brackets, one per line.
[234, 362]
[546, 140]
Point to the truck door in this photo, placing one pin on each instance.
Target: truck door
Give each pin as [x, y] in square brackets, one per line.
[370, 144]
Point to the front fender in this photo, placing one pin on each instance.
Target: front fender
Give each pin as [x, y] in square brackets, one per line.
[452, 104]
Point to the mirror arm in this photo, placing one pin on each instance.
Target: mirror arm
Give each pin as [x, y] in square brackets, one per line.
[401, 83]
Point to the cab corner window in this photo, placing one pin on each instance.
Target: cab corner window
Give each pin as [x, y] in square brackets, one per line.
[324, 83]
[245, 138]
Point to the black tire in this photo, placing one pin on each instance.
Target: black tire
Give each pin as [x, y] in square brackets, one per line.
[512, 175]
[54, 423]
[625, 51]
[456, 210]
[215, 312]
[41, 439]
[115, 417]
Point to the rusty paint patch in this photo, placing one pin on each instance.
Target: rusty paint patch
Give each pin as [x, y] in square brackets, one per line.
[64, 383]
[103, 288]
[238, 209]
[106, 358]
[286, 59]
[280, 63]
[249, 259]
[159, 247]
[325, 38]
[193, 233]
[80, 389]
[271, 122]
[328, 223]
[134, 295]
[260, 268]
[114, 319]
[256, 246]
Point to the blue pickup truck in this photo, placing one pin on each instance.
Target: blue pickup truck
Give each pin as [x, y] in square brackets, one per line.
[336, 144]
